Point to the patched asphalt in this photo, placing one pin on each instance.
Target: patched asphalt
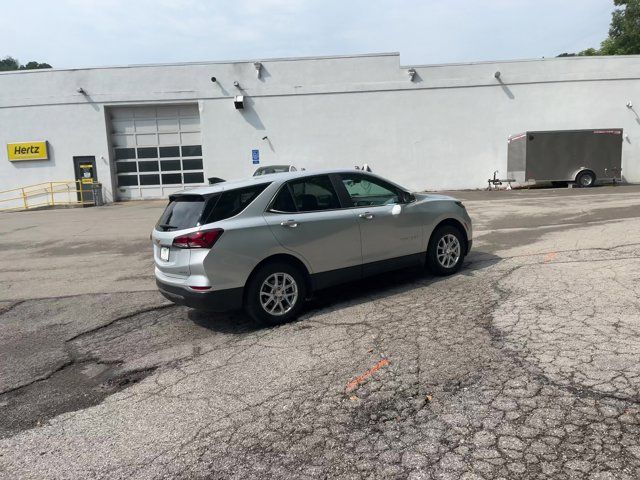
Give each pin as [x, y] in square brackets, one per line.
[523, 365]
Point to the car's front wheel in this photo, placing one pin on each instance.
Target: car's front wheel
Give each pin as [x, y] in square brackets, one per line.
[275, 293]
[446, 250]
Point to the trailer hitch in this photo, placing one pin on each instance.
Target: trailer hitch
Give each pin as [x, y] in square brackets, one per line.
[495, 182]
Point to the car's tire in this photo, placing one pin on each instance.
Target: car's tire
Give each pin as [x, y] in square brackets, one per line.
[275, 293]
[446, 250]
[586, 179]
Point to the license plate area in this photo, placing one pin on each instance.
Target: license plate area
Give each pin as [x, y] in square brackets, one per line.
[164, 254]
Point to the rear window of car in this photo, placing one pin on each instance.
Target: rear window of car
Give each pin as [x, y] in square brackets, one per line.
[183, 211]
[188, 211]
[231, 202]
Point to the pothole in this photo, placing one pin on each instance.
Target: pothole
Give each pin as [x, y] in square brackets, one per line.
[74, 387]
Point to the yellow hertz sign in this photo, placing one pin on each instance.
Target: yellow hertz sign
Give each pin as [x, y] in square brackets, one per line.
[27, 151]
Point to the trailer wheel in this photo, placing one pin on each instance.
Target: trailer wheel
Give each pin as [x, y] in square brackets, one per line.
[586, 179]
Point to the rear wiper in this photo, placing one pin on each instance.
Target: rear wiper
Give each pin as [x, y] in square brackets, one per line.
[166, 227]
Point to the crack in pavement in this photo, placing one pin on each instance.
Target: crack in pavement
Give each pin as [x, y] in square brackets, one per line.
[473, 388]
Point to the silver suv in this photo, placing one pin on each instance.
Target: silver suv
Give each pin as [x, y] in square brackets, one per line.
[266, 243]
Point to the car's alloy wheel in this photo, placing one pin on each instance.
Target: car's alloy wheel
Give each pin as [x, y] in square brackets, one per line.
[278, 294]
[446, 250]
[275, 293]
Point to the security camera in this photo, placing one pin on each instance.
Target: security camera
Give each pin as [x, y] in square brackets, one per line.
[214, 79]
[258, 67]
[236, 84]
[629, 105]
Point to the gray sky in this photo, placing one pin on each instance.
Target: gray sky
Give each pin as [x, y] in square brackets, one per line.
[79, 33]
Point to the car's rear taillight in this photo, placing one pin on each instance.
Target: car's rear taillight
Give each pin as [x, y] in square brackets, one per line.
[201, 239]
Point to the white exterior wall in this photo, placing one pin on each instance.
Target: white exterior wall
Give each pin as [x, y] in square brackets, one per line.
[447, 129]
[70, 130]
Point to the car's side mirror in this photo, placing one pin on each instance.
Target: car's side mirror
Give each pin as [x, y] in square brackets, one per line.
[406, 197]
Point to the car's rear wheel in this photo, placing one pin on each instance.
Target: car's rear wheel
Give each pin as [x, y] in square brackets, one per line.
[275, 293]
[446, 250]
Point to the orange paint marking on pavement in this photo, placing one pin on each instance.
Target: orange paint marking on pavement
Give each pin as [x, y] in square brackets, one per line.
[549, 256]
[353, 384]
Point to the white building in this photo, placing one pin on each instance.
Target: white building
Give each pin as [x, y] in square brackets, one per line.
[151, 129]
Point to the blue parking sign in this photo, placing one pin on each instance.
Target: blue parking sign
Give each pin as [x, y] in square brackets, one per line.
[255, 156]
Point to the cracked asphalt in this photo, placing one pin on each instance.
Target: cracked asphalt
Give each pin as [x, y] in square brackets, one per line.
[524, 365]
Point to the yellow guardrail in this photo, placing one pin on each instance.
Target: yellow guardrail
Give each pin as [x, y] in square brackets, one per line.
[46, 194]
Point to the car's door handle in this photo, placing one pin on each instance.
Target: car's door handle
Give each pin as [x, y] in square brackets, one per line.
[367, 215]
[289, 223]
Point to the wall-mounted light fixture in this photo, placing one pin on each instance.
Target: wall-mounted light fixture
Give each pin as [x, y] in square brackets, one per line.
[81, 91]
[258, 67]
[238, 102]
[497, 75]
[412, 73]
[629, 105]
[237, 85]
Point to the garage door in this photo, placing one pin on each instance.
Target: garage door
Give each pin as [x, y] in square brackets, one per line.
[156, 150]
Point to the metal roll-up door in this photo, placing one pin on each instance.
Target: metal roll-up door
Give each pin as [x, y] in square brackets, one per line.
[157, 150]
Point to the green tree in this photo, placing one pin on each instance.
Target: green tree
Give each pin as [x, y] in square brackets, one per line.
[589, 52]
[34, 66]
[10, 63]
[624, 33]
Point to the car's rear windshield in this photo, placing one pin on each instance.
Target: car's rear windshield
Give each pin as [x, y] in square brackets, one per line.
[188, 211]
[183, 211]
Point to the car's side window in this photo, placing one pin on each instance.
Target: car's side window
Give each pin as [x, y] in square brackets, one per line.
[231, 202]
[283, 201]
[368, 191]
[313, 194]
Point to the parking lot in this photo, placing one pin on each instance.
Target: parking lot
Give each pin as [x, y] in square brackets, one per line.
[523, 365]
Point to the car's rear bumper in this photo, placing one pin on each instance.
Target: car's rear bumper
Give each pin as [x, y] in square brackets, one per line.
[214, 301]
[469, 245]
